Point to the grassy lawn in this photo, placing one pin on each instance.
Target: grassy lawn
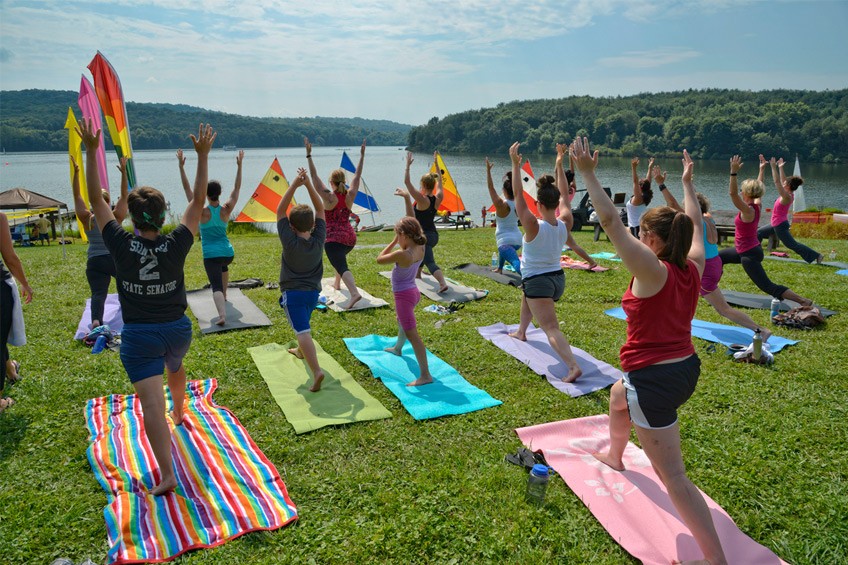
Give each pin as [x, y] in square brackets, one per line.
[767, 443]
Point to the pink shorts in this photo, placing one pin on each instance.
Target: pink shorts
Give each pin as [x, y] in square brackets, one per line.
[712, 274]
[405, 302]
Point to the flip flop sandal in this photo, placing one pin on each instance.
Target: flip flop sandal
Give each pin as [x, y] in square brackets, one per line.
[6, 402]
[17, 378]
[523, 458]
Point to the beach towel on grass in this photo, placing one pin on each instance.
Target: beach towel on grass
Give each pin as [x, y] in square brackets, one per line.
[786, 258]
[337, 299]
[226, 486]
[567, 262]
[507, 277]
[111, 317]
[720, 333]
[341, 399]
[241, 311]
[632, 505]
[763, 302]
[605, 255]
[448, 394]
[456, 292]
[538, 354]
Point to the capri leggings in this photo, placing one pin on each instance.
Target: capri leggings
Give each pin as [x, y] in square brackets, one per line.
[215, 269]
[752, 262]
[429, 259]
[405, 302]
[337, 254]
[99, 270]
[783, 234]
[509, 254]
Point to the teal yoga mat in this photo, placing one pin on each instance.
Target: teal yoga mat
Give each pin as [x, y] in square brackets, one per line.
[449, 394]
[719, 333]
[605, 255]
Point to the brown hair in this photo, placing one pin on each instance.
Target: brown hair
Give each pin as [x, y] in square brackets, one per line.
[410, 227]
[213, 190]
[507, 186]
[703, 202]
[674, 228]
[106, 196]
[794, 182]
[753, 188]
[302, 218]
[337, 179]
[147, 207]
[547, 192]
[428, 182]
[647, 192]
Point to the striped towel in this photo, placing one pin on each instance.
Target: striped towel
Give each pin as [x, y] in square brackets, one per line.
[226, 486]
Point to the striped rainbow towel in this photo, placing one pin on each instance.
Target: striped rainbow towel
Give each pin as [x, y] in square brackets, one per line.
[226, 486]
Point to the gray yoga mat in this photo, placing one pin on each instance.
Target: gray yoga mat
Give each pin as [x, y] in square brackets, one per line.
[241, 312]
[837, 264]
[507, 277]
[337, 299]
[456, 292]
[763, 302]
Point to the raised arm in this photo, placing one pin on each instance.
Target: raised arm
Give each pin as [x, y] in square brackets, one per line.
[779, 179]
[531, 226]
[733, 190]
[121, 207]
[11, 259]
[693, 210]
[501, 207]
[650, 168]
[230, 204]
[80, 207]
[391, 255]
[357, 178]
[288, 195]
[313, 172]
[202, 145]
[763, 163]
[439, 192]
[670, 200]
[562, 184]
[181, 160]
[91, 140]
[407, 200]
[637, 188]
[422, 201]
[317, 201]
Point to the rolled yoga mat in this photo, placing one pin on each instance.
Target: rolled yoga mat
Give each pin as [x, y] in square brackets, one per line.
[241, 311]
[338, 299]
[763, 302]
[111, 317]
[341, 399]
[456, 292]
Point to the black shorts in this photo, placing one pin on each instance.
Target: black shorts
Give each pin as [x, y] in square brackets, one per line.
[655, 392]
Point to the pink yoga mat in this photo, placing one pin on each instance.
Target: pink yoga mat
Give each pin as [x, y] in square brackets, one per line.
[632, 505]
[567, 262]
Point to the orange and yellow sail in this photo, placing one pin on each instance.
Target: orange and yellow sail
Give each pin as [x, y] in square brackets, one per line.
[75, 151]
[107, 85]
[452, 201]
[262, 206]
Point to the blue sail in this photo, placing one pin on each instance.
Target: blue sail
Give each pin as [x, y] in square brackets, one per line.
[363, 202]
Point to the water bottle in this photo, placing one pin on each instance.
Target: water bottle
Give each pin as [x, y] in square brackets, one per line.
[832, 254]
[99, 345]
[775, 307]
[537, 484]
[758, 345]
[495, 260]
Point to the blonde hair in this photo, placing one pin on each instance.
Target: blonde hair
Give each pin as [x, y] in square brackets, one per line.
[753, 188]
[337, 179]
[428, 182]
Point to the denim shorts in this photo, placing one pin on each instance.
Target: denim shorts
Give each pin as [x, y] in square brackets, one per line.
[146, 349]
[298, 306]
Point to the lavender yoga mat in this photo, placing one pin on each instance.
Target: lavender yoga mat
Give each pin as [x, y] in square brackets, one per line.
[632, 505]
[538, 354]
[111, 317]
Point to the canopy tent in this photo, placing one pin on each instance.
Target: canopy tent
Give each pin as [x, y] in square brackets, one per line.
[33, 203]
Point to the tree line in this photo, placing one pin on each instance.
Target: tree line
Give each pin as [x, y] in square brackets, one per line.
[34, 120]
[711, 124]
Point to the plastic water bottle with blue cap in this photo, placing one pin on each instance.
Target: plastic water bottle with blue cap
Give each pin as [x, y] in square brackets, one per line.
[99, 344]
[775, 307]
[537, 484]
[495, 260]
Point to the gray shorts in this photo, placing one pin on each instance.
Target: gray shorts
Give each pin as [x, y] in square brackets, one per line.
[547, 285]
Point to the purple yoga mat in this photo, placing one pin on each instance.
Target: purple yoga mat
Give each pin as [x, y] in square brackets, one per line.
[111, 317]
[538, 354]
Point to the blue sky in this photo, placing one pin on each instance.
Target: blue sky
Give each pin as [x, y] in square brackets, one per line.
[408, 61]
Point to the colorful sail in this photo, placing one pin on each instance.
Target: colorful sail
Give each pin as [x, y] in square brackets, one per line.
[452, 201]
[75, 151]
[364, 203]
[262, 206]
[800, 203]
[111, 97]
[528, 184]
[91, 111]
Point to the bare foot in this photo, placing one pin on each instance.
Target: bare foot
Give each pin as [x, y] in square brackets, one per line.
[167, 485]
[176, 416]
[498, 271]
[393, 350]
[354, 298]
[443, 289]
[519, 336]
[574, 373]
[221, 321]
[6, 402]
[316, 382]
[605, 458]
[296, 352]
[766, 334]
[819, 259]
[422, 380]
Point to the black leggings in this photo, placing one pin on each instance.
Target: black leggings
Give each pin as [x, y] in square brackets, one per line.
[6, 301]
[99, 270]
[429, 259]
[215, 269]
[337, 254]
[752, 262]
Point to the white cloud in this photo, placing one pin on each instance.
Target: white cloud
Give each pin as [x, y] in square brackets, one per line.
[649, 59]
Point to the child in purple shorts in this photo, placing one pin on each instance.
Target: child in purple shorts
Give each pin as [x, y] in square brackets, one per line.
[410, 238]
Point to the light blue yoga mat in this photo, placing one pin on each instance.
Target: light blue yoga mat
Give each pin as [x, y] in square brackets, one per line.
[605, 255]
[448, 394]
[842, 272]
[719, 333]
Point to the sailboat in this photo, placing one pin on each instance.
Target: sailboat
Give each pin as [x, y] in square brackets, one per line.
[451, 202]
[262, 206]
[528, 184]
[800, 203]
[364, 203]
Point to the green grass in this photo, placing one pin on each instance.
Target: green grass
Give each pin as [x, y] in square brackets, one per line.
[767, 443]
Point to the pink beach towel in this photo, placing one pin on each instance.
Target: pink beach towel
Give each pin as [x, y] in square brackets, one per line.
[567, 262]
[632, 505]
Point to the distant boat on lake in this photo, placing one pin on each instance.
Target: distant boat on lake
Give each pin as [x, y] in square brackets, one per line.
[229, 148]
[799, 204]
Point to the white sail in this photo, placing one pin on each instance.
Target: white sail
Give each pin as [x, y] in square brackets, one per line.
[800, 203]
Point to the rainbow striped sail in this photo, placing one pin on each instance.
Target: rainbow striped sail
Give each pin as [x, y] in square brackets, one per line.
[91, 111]
[262, 206]
[111, 97]
[226, 486]
[452, 201]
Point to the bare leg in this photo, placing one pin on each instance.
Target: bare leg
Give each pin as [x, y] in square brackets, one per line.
[221, 307]
[524, 321]
[398, 347]
[443, 285]
[337, 282]
[789, 295]
[421, 356]
[149, 392]
[716, 299]
[663, 449]
[355, 297]
[619, 425]
[177, 385]
[307, 348]
[544, 311]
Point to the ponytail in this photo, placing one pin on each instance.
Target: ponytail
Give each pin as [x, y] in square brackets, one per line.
[675, 229]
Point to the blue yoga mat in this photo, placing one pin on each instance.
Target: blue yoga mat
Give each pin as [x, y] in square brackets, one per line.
[448, 394]
[842, 272]
[605, 255]
[719, 333]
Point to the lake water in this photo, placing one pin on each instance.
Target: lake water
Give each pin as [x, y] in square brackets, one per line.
[48, 174]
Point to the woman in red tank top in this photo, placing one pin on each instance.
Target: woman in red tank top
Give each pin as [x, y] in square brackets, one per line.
[660, 362]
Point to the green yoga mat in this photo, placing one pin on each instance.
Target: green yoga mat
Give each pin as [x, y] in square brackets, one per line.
[340, 401]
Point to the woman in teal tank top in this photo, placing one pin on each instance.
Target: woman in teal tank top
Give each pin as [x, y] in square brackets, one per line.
[218, 253]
